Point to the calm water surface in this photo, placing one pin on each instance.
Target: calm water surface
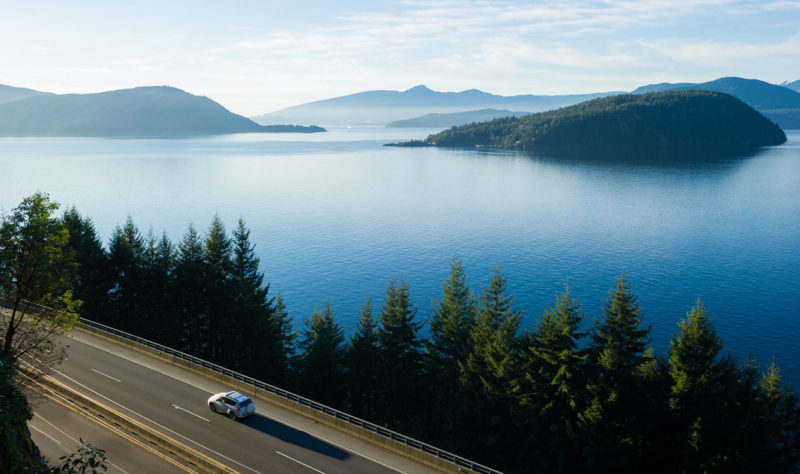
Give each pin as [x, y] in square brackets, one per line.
[336, 215]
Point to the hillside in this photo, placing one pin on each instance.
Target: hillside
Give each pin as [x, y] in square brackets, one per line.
[139, 112]
[453, 119]
[10, 94]
[658, 120]
[380, 107]
[780, 104]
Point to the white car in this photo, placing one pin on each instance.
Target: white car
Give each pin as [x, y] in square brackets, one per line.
[233, 404]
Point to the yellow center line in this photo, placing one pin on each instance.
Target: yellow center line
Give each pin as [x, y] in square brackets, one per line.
[108, 427]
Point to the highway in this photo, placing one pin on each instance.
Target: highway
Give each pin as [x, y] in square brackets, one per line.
[58, 425]
[172, 400]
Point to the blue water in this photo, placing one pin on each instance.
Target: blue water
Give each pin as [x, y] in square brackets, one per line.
[336, 215]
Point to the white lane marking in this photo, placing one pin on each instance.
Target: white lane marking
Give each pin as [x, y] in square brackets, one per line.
[153, 422]
[39, 416]
[154, 368]
[187, 411]
[106, 375]
[299, 462]
[206, 388]
[45, 434]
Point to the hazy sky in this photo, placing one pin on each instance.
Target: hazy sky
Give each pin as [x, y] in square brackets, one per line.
[259, 56]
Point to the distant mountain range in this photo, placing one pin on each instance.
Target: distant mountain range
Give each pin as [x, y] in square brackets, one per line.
[380, 107]
[455, 118]
[795, 86]
[423, 107]
[780, 104]
[167, 111]
[140, 112]
[9, 94]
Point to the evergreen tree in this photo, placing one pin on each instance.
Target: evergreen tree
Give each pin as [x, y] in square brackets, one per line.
[158, 281]
[126, 260]
[620, 363]
[362, 363]
[781, 423]
[93, 282]
[401, 360]
[706, 418]
[321, 358]
[487, 374]
[190, 294]
[550, 385]
[217, 253]
[284, 355]
[451, 322]
[257, 336]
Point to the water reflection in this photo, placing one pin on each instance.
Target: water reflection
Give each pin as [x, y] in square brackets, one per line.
[679, 159]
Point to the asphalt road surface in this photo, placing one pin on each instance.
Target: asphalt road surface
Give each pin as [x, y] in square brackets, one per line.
[172, 401]
[58, 426]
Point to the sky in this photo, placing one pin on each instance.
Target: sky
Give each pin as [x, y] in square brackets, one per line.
[257, 56]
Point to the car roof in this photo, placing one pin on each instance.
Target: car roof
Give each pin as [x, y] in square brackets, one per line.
[237, 396]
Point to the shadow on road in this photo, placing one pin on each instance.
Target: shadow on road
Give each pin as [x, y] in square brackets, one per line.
[291, 435]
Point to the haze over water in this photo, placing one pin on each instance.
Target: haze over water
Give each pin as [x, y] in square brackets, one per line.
[336, 215]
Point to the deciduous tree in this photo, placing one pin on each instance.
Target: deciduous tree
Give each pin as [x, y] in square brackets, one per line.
[36, 268]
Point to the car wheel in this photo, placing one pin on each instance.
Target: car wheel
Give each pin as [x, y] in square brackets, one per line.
[232, 415]
[213, 408]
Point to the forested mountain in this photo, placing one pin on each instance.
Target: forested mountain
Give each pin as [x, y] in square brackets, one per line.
[658, 120]
[10, 94]
[379, 107]
[139, 112]
[780, 104]
[453, 119]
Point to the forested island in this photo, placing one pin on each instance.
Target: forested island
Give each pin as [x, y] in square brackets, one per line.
[654, 121]
[566, 395]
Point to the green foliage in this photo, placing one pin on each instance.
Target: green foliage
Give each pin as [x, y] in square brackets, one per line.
[126, 260]
[549, 400]
[86, 460]
[93, 285]
[158, 280]
[684, 119]
[362, 363]
[618, 364]
[781, 430]
[189, 291]
[36, 266]
[451, 322]
[256, 328]
[287, 336]
[320, 366]
[488, 371]
[493, 341]
[549, 388]
[217, 248]
[16, 449]
[400, 373]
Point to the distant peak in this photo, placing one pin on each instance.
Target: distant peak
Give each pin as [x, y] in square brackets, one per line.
[418, 89]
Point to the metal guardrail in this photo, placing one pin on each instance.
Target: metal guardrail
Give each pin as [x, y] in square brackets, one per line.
[303, 401]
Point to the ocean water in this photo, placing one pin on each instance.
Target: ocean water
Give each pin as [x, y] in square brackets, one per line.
[335, 216]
